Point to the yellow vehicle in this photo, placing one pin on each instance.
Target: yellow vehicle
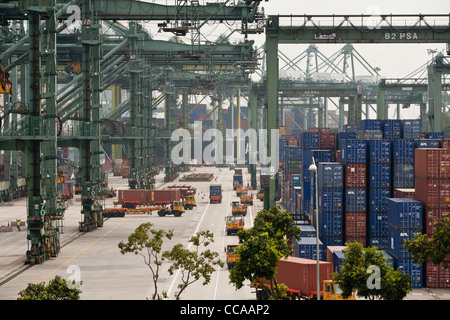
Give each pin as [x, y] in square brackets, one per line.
[232, 256]
[189, 202]
[240, 191]
[260, 195]
[238, 208]
[176, 208]
[234, 224]
[236, 185]
[331, 291]
[246, 199]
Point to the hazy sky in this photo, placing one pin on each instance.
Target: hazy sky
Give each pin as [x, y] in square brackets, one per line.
[394, 60]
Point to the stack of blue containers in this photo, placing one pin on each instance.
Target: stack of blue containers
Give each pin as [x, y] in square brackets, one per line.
[370, 129]
[331, 203]
[379, 191]
[392, 129]
[403, 163]
[404, 222]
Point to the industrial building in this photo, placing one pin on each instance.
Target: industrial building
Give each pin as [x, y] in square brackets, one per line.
[97, 99]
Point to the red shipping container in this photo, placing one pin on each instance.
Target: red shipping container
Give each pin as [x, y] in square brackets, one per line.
[338, 156]
[327, 140]
[355, 175]
[355, 224]
[427, 191]
[432, 163]
[300, 274]
[436, 276]
[404, 193]
[132, 195]
[432, 215]
[360, 239]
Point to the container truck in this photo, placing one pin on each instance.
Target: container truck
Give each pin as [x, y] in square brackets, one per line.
[238, 209]
[237, 181]
[300, 276]
[234, 224]
[215, 193]
[232, 256]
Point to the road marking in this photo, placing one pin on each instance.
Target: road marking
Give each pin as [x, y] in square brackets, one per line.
[79, 253]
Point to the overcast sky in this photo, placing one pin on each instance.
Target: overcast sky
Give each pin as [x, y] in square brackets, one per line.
[395, 61]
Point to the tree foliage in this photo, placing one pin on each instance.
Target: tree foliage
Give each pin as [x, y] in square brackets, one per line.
[261, 247]
[196, 264]
[365, 270]
[147, 242]
[435, 247]
[57, 289]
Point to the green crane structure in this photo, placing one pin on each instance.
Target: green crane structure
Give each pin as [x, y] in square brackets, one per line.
[45, 107]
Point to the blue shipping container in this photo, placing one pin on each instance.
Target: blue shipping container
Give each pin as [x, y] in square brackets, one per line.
[238, 178]
[411, 129]
[332, 240]
[331, 224]
[370, 124]
[403, 175]
[403, 151]
[338, 257]
[378, 224]
[397, 241]
[296, 180]
[319, 156]
[330, 200]
[330, 174]
[392, 129]
[293, 153]
[380, 151]
[405, 213]
[306, 248]
[309, 140]
[353, 151]
[215, 190]
[435, 135]
[415, 270]
[355, 199]
[379, 242]
[350, 128]
[380, 176]
[378, 199]
[307, 231]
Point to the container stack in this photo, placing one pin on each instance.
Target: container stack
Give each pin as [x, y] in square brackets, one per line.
[331, 203]
[354, 157]
[432, 180]
[404, 223]
[379, 191]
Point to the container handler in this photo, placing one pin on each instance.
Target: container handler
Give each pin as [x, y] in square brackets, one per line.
[246, 199]
[234, 224]
[215, 193]
[232, 256]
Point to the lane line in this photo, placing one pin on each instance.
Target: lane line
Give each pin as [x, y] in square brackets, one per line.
[86, 248]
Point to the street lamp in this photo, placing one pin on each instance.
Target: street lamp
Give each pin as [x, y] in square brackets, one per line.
[313, 170]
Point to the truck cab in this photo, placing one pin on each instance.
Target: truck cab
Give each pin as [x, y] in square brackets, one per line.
[232, 256]
[234, 224]
[238, 208]
[189, 202]
[331, 291]
[260, 195]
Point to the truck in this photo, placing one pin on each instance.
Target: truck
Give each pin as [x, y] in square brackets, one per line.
[238, 208]
[300, 276]
[246, 198]
[234, 224]
[237, 181]
[260, 195]
[215, 193]
[232, 256]
[147, 197]
[176, 208]
[187, 194]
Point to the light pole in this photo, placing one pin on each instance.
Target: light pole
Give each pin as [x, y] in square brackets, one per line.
[313, 170]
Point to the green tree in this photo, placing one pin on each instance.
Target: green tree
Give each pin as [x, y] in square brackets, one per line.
[435, 247]
[147, 242]
[261, 247]
[57, 289]
[365, 270]
[193, 265]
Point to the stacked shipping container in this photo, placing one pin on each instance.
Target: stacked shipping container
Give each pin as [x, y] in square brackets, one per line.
[379, 190]
[404, 223]
[432, 180]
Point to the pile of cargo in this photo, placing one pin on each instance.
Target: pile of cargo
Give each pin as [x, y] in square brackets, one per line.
[197, 177]
[357, 175]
